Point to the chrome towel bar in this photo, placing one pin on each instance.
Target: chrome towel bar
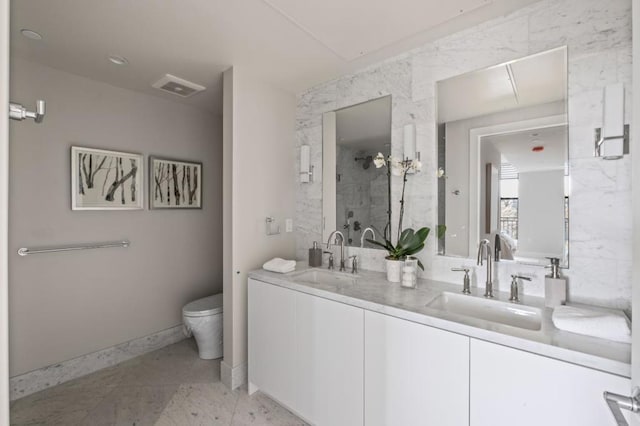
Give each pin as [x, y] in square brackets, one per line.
[25, 251]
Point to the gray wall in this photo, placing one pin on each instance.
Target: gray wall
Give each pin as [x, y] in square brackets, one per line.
[65, 305]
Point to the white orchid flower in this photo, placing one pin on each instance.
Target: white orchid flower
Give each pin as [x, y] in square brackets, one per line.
[416, 165]
[440, 172]
[379, 161]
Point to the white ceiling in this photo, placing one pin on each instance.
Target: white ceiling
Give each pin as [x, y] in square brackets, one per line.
[534, 80]
[198, 39]
[516, 148]
[355, 28]
[365, 126]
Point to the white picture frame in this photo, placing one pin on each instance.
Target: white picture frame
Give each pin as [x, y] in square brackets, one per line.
[106, 180]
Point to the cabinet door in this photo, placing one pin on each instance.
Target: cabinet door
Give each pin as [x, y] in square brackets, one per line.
[512, 387]
[272, 340]
[329, 367]
[414, 374]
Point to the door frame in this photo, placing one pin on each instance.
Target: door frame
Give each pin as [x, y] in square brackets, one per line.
[635, 197]
[475, 184]
[4, 211]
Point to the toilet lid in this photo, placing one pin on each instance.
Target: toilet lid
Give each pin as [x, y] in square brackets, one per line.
[202, 307]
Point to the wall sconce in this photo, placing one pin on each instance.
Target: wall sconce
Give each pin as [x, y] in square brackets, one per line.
[306, 169]
[409, 144]
[612, 140]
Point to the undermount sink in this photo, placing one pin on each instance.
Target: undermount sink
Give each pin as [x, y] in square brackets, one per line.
[506, 313]
[320, 276]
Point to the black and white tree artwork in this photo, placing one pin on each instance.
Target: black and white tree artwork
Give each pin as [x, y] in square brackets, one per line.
[175, 184]
[105, 179]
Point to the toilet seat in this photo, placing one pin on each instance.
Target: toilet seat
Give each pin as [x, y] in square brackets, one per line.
[206, 306]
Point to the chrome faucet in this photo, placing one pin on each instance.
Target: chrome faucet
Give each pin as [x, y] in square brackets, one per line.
[354, 264]
[514, 287]
[330, 253]
[336, 233]
[367, 229]
[484, 252]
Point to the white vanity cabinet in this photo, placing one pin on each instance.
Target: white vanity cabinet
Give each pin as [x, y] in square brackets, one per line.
[512, 387]
[307, 353]
[414, 374]
[272, 340]
[335, 364]
[329, 361]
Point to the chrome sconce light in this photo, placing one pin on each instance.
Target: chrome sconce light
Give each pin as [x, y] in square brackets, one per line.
[612, 140]
[306, 169]
[409, 145]
[19, 112]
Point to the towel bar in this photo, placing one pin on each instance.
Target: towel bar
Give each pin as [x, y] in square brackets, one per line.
[25, 251]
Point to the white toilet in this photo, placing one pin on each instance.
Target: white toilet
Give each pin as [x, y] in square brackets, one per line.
[203, 319]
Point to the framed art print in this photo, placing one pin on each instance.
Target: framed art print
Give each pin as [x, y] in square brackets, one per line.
[174, 184]
[106, 180]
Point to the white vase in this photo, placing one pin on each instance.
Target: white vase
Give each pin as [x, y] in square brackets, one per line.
[394, 270]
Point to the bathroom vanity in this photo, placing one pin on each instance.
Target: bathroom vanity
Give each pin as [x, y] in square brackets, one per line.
[339, 349]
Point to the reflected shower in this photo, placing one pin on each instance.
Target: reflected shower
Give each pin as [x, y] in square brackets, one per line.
[366, 161]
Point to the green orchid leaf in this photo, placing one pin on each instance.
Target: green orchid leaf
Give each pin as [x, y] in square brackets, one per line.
[420, 265]
[423, 233]
[414, 249]
[406, 235]
[386, 246]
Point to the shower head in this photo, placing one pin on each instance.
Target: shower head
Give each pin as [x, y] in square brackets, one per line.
[366, 161]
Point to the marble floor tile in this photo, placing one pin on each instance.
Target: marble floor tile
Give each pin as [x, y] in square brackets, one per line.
[200, 404]
[131, 405]
[168, 387]
[259, 409]
[60, 405]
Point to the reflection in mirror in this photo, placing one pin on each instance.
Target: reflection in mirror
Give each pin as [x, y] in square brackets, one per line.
[503, 160]
[355, 192]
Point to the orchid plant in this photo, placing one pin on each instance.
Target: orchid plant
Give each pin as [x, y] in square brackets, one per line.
[409, 241]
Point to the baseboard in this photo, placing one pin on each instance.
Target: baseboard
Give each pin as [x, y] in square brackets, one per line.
[43, 378]
[233, 377]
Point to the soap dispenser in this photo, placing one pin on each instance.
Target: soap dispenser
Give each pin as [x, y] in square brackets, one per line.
[315, 255]
[555, 286]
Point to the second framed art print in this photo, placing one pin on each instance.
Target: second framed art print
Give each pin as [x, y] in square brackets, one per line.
[174, 184]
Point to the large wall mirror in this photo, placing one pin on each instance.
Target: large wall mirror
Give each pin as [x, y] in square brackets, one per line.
[503, 160]
[355, 192]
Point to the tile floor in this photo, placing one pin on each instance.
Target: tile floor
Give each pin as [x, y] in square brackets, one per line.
[171, 386]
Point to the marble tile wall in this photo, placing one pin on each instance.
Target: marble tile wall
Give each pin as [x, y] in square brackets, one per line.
[598, 36]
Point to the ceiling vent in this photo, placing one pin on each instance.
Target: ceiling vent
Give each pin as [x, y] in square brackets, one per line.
[178, 86]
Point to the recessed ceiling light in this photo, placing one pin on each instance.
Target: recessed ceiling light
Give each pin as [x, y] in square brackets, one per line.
[31, 34]
[118, 60]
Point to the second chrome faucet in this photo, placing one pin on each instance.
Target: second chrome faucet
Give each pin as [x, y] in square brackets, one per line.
[484, 253]
[336, 233]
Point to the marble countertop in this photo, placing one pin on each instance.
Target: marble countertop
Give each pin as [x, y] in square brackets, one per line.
[371, 291]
